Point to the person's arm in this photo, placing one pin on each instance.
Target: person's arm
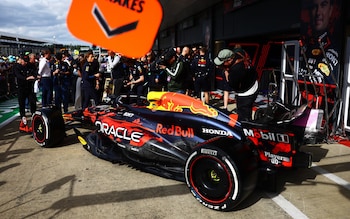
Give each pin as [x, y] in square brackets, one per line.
[115, 61]
[68, 69]
[95, 66]
[94, 76]
[17, 72]
[97, 87]
[141, 79]
[79, 72]
[177, 70]
[41, 67]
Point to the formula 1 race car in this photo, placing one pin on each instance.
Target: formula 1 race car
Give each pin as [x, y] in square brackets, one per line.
[179, 137]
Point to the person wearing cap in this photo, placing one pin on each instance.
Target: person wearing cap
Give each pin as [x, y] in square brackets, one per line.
[241, 77]
[225, 86]
[26, 76]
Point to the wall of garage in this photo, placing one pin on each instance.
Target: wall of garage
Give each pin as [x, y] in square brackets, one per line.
[263, 18]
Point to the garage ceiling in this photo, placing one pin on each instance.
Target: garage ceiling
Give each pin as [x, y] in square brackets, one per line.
[175, 11]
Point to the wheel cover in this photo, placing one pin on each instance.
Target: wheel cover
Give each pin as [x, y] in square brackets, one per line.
[39, 129]
[210, 178]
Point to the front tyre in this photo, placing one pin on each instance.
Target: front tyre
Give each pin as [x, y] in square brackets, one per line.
[213, 178]
[48, 127]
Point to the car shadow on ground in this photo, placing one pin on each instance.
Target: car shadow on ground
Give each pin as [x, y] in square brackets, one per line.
[284, 178]
[76, 201]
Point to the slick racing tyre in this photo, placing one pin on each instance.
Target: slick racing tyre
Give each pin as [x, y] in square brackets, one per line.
[214, 179]
[48, 127]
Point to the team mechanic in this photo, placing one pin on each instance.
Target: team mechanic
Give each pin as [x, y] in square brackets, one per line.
[242, 78]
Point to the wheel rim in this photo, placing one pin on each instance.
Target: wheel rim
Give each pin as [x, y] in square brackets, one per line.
[210, 179]
[39, 129]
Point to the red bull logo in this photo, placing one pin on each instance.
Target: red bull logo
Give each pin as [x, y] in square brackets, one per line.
[175, 131]
[176, 102]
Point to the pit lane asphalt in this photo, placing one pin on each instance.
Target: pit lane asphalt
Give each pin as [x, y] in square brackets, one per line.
[68, 182]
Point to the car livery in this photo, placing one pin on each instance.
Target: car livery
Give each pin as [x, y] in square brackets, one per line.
[179, 137]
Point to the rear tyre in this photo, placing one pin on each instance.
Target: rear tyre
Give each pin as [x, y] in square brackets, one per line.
[214, 179]
[48, 127]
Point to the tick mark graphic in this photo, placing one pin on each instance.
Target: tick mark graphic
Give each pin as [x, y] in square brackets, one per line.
[105, 27]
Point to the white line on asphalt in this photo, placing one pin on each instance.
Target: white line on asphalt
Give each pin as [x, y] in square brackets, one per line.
[288, 207]
[9, 120]
[331, 176]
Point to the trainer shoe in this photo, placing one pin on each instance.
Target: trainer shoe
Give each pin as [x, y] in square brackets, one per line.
[25, 129]
[24, 120]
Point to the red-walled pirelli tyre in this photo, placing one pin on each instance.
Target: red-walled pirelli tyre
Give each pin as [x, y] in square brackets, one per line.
[215, 180]
[48, 127]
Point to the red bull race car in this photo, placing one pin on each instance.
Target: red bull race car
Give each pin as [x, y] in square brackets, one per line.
[179, 137]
